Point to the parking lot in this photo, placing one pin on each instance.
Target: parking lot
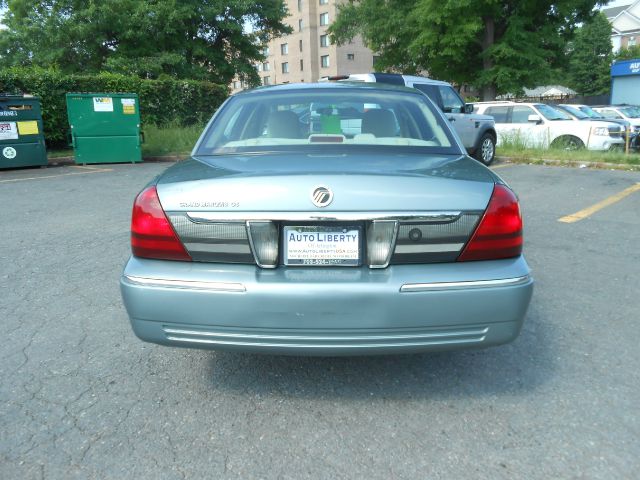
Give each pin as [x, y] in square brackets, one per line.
[82, 397]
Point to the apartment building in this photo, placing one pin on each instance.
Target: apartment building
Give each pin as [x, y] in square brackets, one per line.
[307, 53]
[625, 25]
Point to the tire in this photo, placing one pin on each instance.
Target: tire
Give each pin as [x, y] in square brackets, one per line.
[568, 142]
[486, 150]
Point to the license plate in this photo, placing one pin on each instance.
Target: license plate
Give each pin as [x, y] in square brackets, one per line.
[321, 246]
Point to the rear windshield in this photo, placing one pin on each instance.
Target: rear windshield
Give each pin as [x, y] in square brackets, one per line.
[318, 120]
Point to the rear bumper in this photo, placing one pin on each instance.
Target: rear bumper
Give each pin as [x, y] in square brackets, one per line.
[325, 311]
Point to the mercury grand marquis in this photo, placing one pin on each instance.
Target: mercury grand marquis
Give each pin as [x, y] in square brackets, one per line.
[327, 219]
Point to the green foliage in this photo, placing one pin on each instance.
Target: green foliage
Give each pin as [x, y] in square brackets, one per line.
[497, 46]
[162, 102]
[170, 139]
[629, 53]
[590, 58]
[195, 39]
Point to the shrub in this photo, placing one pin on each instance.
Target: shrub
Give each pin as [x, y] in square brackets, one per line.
[162, 102]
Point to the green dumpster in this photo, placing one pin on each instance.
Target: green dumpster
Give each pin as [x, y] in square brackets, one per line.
[21, 137]
[105, 127]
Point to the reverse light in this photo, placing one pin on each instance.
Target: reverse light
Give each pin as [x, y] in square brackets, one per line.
[152, 236]
[499, 233]
[263, 238]
[381, 236]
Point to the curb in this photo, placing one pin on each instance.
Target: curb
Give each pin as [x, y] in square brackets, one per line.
[567, 163]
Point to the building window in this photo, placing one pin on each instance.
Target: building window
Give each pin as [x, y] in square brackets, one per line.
[351, 56]
[324, 61]
[265, 51]
[266, 66]
[324, 41]
[632, 42]
[285, 67]
[284, 49]
[324, 2]
[236, 84]
[259, 67]
[266, 80]
[324, 19]
[301, 65]
[300, 25]
[300, 44]
[299, 5]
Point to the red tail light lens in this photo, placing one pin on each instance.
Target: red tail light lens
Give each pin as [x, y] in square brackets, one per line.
[152, 236]
[499, 234]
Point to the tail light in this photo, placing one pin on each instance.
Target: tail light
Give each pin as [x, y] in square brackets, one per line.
[152, 235]
[499, 234]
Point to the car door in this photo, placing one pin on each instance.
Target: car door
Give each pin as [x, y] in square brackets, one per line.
[500, 115]
[526, 133]
[452, 106]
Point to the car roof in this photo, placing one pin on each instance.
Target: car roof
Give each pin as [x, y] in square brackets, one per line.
[284, 87]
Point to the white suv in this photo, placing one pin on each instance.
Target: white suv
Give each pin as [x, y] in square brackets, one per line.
[540, 125]
[622, 112]
[476, 132]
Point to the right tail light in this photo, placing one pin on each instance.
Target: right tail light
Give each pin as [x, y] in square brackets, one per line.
[499, 233]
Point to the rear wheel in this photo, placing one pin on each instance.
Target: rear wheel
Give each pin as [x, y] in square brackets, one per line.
[568, 142]
[486, 150]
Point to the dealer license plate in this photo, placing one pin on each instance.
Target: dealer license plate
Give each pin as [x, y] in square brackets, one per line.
[321, 246]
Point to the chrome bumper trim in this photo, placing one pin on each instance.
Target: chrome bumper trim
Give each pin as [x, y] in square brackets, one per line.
[459, 337]
[252, 336]
[185, 284]
[429, 287]
[426, 217]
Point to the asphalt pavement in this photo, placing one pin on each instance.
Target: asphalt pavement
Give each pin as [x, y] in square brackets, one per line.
[82, 397]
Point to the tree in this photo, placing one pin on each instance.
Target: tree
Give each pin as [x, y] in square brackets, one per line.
[590, 57]
[497, 46]
[628, 53]
[197, 39]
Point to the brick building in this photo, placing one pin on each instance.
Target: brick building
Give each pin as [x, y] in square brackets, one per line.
[307, 53]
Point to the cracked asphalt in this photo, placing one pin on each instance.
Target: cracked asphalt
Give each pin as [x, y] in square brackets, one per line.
[82, 397]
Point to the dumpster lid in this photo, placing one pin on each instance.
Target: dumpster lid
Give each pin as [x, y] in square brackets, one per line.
[16, 96]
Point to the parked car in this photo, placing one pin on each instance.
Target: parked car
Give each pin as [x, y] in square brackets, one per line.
[538, 125]
[273, 238]
[586, 113]
[477, 132]
[621, 112]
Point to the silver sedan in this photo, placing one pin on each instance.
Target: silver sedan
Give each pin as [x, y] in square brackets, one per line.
[327, 219]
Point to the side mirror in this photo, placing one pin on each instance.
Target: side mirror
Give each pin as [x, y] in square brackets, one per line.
[534, 119]
[468, 108]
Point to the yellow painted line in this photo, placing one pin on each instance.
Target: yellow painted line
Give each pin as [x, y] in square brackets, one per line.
[582, 214]
[55, 176]
[502, 165]
[90, 168]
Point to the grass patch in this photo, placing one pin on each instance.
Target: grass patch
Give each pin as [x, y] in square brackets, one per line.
[537, 154]
[516, 148]
[170, 140]
[64, 152]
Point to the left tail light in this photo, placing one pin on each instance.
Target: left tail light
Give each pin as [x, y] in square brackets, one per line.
[152, 236]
